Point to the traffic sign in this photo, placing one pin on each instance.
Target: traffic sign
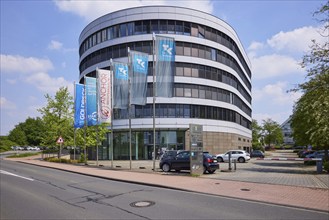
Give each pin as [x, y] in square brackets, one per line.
[60, 140]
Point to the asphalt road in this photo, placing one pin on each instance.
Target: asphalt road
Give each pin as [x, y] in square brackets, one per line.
[31, 192]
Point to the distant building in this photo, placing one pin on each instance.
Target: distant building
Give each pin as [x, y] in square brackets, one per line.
[287, 132]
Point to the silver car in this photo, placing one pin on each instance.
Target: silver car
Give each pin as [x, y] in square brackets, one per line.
[240, 155]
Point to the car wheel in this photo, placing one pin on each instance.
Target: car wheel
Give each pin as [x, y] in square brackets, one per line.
[220, 159]
[166, 167]
[241, 160]
[211, 171]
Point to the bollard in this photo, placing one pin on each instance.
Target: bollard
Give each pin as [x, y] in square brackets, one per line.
[319, 166]
[229, 161]
[234, 164]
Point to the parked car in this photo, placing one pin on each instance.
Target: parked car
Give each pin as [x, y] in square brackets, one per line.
[180, 160]
[257, 153]
[316, 154]
[304, 153]
[240, 155]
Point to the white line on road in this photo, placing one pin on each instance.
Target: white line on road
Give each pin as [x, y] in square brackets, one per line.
[12, 174]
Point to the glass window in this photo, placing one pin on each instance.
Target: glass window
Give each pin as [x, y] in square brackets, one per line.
[187, 71]
[179, 70]
[214, 94]
[104, 35]
[146, 27]
[110, 33]
[187, 111]
[130, 28]
[194, 30]
[179, 48]
[138, 27]
[202, 92]
[195, 92]
[179, 28]
[195, 71]
[116, 31]
[208, 72]
[187, 28]
[201, 72]
[201, 51]
[179, 91]
[208, 93]
[208, 53]
[187, 49]
[201, 31]
[202, 111]
[208, 33]
[163, 27]
[187, 91]
[155, 26]
[213, 54]
[171, 110]
[171, 27]
[195, 50]
[138, 46]
[123, 30]
[213, 35]
[147, 47]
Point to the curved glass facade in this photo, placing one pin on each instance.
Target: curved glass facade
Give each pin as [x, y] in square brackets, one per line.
[212, 78]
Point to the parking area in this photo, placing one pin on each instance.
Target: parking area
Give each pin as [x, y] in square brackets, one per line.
[291, 173]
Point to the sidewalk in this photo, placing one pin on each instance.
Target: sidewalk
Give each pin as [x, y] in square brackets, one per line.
[294, 196]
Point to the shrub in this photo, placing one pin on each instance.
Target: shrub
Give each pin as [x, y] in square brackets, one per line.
[23, 155]
[60, 160]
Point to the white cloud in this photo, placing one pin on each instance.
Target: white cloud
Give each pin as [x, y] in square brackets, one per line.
[55, 45]
[91, 10]
[276, 93]
[45, 83]
[20, 64]
[297, 40]
[274, 65]
[6, 104]
[256, 45]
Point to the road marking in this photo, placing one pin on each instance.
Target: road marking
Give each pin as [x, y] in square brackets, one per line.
[12, 174]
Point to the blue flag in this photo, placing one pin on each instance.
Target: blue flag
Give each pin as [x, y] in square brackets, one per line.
[139, 66]
[91, 97]
[120, 86]
[165, 53]
[79, 106]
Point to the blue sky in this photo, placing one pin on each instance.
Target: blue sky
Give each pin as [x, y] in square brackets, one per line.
[39, 48]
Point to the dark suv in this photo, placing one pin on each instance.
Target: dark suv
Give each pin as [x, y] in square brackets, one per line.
[180, 160]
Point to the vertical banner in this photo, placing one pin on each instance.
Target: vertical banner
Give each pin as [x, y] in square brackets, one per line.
[165, 59]
[120, 86]
[139, 67]
[91, 97]
[79, 106]
[104, 96]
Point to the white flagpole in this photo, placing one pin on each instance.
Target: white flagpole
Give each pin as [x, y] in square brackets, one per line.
[111, 136]
[74, 129]
[85, 126]
[97, 107]
[129, 71]
[153, 40]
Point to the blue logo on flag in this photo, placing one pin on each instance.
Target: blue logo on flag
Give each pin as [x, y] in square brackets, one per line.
[140, 63]
[121, 71]
[166, 50]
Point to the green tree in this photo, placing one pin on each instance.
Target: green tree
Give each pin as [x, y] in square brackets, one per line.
[5, 143]
[310, 119]
[18, 136]
[256, 135]
[28, 133]
[57, 116]
[272, 132]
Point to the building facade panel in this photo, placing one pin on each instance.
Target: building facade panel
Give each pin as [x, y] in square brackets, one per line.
[212, 79]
